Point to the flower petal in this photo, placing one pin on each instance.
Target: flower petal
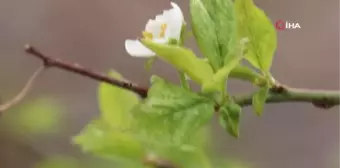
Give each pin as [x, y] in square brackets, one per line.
[153, 27]
[175, 23]
[177, 10]
[136, 49]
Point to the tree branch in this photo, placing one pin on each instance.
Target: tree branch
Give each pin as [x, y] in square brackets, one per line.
[278, 94]
[78, 69]
[319, 98]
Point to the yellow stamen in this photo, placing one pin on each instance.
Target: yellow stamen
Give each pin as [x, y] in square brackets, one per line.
[147, 35]
[163, 29]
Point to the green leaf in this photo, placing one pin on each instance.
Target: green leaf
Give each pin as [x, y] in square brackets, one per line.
[245, 73]
[170, 115]
[202, 138]
[182, 59]
[259, 100]
[115, 103]
[102, 139]
[214, 27]
[204, 30]
[221, 76]
[223, 14]
[39, 116]
[255, 25]
[229, 118]
[217, 83]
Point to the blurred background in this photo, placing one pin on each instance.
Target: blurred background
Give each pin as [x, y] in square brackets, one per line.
[92, 33]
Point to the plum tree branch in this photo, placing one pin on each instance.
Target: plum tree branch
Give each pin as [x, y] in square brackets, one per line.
[278, 94]
[319, 98]
[78, 69]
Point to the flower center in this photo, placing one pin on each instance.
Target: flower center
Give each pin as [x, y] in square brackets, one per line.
[163, 29]
[149, 36]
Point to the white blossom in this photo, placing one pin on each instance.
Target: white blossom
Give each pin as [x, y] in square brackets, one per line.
[164, 27]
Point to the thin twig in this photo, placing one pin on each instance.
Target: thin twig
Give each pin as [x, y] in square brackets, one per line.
[78, 69]
[23, 92]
